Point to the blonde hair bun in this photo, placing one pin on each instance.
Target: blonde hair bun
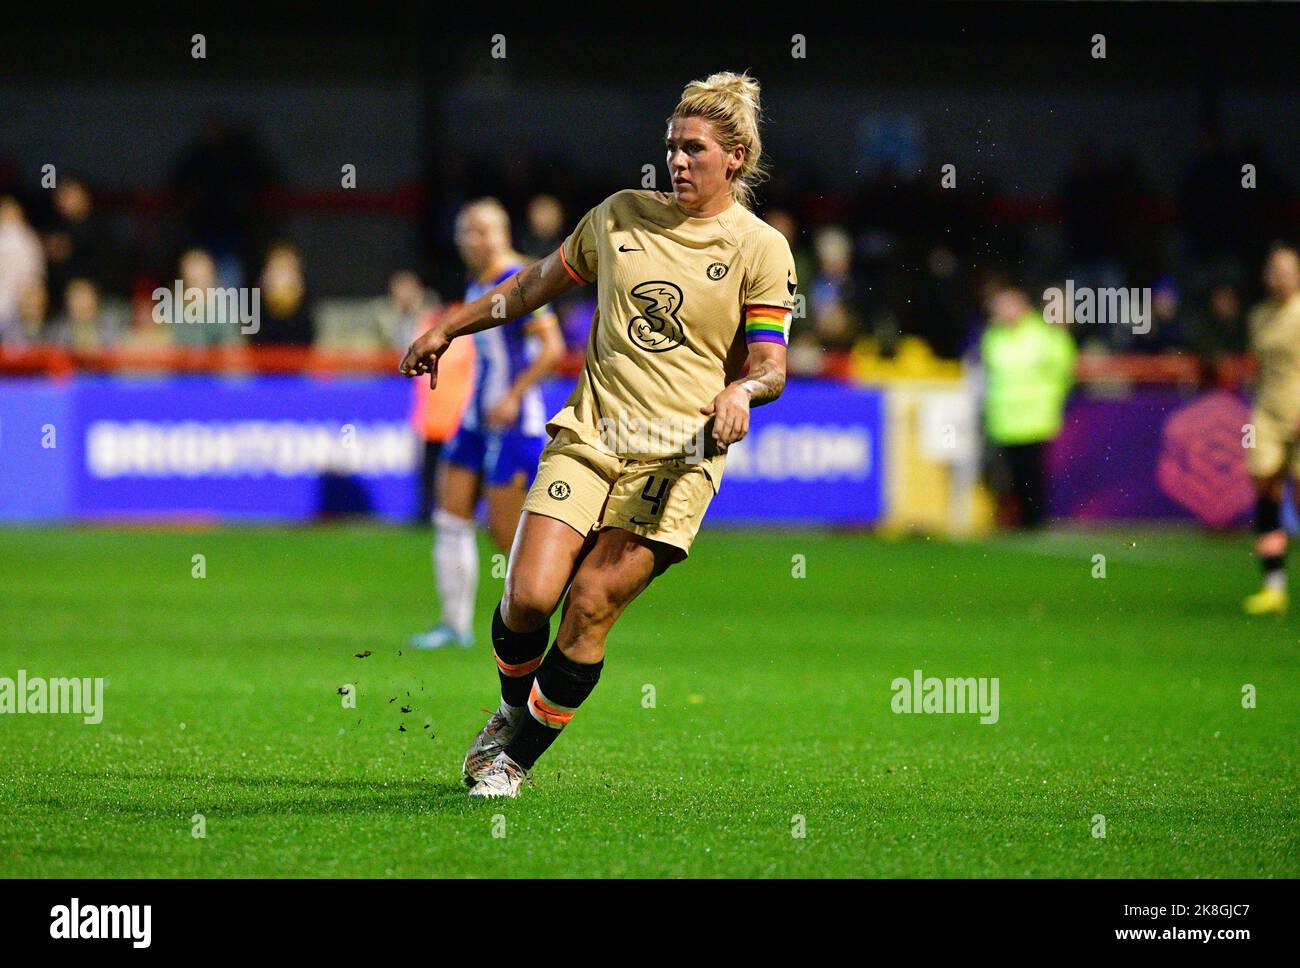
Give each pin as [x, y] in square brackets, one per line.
[730, 102]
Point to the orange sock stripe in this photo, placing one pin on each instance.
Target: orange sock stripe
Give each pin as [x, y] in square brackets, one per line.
[1273, 543]
[521, 669]
[546, 712]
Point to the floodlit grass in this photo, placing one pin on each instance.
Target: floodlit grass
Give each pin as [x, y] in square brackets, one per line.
[772, 696]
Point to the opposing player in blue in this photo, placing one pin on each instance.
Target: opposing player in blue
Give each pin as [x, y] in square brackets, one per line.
[503, 430]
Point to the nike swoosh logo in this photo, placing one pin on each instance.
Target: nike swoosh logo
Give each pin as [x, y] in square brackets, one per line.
[789, 284]
[624, 248]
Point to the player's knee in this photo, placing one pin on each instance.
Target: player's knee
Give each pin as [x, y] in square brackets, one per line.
[591, 602]
[526, 606]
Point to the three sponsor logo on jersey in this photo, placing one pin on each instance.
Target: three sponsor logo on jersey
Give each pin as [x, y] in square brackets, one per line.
[659, 329]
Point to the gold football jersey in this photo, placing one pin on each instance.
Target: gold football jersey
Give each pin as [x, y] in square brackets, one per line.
[1275, 341]
[678, 299]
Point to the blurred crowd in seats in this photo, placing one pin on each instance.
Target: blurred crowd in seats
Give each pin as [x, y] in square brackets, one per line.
[898, 269]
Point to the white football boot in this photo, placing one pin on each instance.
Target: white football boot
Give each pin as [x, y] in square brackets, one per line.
[440, 637]
[503, 779]
[489, 744]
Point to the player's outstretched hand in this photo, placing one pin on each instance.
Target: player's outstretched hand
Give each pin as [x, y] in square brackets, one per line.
[422, 356]
[730, 412]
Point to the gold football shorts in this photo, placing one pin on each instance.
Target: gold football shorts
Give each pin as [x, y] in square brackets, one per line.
[1277, 447]
[589, 490]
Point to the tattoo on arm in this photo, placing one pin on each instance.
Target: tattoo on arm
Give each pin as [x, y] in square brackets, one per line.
[530, 286]
[521, 290]
[764, 382]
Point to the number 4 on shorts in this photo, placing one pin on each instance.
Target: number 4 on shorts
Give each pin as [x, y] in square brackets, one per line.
[655, 499]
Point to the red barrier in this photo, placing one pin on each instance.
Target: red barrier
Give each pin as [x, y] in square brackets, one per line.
[1160, 369]
[57, 361]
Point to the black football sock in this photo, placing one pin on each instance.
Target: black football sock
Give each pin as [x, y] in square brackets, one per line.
[559, 688]
[1268, 515]
[1271, 543]
[518, 655]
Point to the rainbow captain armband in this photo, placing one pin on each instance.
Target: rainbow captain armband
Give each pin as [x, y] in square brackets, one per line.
[767, 324]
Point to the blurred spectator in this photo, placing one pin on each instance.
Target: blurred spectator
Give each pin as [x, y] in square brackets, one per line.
[545, 233]
[22, 263]
[85, 323]
[833, 293]
[407, 312]
[285, 318]
[78, 244]
[1169, 328]
[189, 324]
[912, 247]
[1028, 371]
[145, 332]
[826, 321]
[33, 313]
[1218, 333]
[832, 321]
[546, 229]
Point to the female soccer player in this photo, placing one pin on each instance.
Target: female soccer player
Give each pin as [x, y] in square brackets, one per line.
[690, 288]
[502, 432]
[1275, 341]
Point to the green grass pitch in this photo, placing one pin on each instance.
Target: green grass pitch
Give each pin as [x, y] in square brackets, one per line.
[1119, 696]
